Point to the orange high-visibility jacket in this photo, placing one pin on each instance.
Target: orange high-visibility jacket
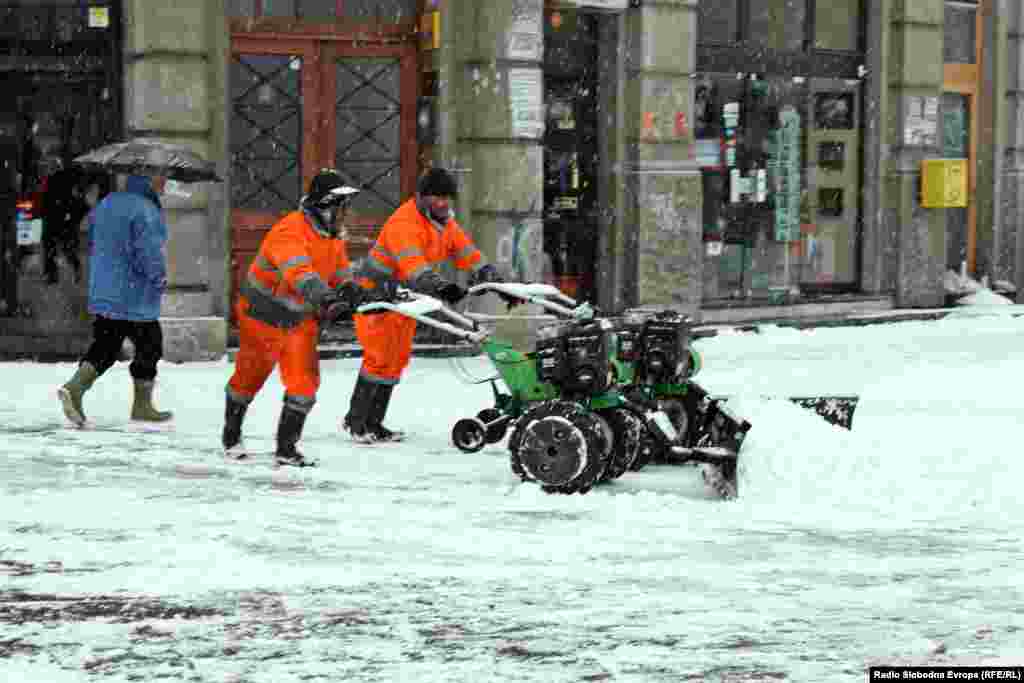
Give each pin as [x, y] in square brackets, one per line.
[292, 253]
[410, 244]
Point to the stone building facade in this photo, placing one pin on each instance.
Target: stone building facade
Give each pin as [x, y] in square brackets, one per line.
[734, 159]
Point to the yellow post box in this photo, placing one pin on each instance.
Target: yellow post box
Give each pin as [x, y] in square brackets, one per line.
[943, 183]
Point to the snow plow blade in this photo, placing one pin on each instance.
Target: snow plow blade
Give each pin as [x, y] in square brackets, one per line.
[837, 410]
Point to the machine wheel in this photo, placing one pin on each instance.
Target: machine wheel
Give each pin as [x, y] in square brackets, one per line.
[561, 446]
[627, 432]
[497, 432]
[469, 435]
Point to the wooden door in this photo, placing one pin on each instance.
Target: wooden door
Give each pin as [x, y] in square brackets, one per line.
[301, 103]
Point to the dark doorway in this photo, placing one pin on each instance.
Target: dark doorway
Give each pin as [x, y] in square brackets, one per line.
[61, 68]
[571, 84]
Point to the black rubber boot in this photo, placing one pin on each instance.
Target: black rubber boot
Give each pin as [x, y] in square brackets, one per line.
[361, 407]
[289, 431]
[374, 423]
[231, 437]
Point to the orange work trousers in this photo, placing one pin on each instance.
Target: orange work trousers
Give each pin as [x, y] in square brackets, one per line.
[262, 346]
[386, 339]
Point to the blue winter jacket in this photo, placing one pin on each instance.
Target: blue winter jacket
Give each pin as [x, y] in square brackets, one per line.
[127, 270]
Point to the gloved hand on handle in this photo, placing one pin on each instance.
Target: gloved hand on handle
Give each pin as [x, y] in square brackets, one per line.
[489, 273]
[339, 304]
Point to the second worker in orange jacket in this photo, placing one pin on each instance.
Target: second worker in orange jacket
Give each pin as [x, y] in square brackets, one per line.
[420, 235]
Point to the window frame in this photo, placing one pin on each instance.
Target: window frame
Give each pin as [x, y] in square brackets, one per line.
[810, 61]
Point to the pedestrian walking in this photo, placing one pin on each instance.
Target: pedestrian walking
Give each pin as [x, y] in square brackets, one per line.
[64, 206]
[127, 279]
[300, 280]
[419, 236]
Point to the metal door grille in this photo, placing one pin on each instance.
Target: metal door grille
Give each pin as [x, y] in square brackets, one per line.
[266, 132]
[368, 121]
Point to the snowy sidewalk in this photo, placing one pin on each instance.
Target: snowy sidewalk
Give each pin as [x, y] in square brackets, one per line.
[128, 556]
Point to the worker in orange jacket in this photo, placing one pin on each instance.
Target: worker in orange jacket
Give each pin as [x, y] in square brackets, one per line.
[300, 279]
[419, 235]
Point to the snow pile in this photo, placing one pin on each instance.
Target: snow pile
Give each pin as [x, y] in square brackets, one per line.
[970, 292]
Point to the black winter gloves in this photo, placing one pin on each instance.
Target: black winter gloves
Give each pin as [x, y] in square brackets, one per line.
[450, 293]
[490, 274]
[339, 304]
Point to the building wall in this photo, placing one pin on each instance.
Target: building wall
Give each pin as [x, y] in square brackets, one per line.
[175, 90]
[1011, 173]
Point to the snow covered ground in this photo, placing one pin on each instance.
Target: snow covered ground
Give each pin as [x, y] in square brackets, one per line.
[141, 556]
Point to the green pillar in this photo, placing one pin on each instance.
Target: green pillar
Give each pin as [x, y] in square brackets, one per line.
[915, 76]
[500, 128]
[175, 89]
[663, 182]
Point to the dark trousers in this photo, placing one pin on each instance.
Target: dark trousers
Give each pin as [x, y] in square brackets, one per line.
[108, 335]
[61, 236]
[67, 243]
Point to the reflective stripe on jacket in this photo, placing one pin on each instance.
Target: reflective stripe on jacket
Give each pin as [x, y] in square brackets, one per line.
[291, 254]
[410, 244]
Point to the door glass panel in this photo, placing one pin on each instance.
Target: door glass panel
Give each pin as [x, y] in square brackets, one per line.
[368, 143]
[831, 208]
[266, 132]
[958, 46]
[837, 25]
[240, 8]
[385, 11]
[279, 8]
[955, 145]
[778, 24]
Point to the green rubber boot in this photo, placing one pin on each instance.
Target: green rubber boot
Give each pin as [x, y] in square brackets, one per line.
[142, 405]
[70, 394]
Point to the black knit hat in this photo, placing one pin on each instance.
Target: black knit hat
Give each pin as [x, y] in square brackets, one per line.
[437, 182]
[328, 185]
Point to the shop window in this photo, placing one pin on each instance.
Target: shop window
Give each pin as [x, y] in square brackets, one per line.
[778, 24]
[830, 202]
[831, 156]
[834, 110]
[958, 47]
[837, 25]
[717, 21]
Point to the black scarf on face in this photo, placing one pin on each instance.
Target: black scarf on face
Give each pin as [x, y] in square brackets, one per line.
[424, 208]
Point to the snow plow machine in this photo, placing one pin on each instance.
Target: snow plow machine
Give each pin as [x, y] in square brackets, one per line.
[598, 396]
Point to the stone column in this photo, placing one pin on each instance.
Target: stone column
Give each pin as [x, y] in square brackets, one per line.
[996, 244]
[500, 129]
[878, 272]
[663, 181]
[915, 87]
[1012, 190]
[175, 87]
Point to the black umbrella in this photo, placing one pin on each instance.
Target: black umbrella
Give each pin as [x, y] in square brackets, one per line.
[144, 156]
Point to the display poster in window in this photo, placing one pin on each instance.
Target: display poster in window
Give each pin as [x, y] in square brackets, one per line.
[920, 121]
[99, 17]
[525, 39]
[786, 165]
[526, 99]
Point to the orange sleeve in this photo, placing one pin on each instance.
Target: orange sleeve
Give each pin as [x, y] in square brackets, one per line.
[462, 251]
